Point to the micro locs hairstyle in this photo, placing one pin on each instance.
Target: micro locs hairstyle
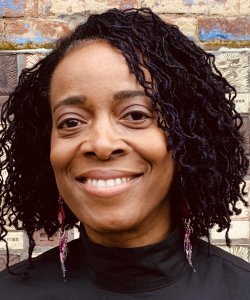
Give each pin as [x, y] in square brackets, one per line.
[194, 104]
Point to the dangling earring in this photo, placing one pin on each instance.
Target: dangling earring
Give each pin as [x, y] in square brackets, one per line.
[63, 236]
[187, 226]
[187, 242]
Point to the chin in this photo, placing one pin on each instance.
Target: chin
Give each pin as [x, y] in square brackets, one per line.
[113, 225]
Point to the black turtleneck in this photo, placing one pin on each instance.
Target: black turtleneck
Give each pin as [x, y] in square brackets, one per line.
[136, 269]
[158, 272]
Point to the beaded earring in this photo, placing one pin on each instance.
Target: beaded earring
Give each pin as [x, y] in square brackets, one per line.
[187, 242]
[187, 226]
[63, 236]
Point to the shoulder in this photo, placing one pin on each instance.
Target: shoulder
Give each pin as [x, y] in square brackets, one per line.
[45, 269]
[22, 268]
[50, 256]
[221, 257]
[222, 269]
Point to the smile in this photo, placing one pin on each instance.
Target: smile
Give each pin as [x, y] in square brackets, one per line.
[107, 183]
[101, 183]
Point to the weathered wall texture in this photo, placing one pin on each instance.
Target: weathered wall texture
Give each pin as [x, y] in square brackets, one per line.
[43, 21]
[210, 23]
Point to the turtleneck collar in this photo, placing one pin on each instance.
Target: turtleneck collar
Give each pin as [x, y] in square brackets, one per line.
[136, 269]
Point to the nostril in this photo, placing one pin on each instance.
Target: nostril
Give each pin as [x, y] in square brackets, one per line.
[90, 154]
[104, 155]
[117, 152]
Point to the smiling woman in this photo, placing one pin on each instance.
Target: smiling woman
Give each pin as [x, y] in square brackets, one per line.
[120, 128]
[104, 166]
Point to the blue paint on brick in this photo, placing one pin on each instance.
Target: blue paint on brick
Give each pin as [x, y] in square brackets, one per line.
[34, 37]
[24, 40]
[11, 5]
[128, 6]
[26, 25]
[189, 2]
[219, 34]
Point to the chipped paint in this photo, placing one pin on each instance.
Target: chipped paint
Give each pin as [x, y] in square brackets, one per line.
[31, 37]
[37, 39]
[26, 25]
[189, 2]
[127, 6]
[219, 34]
[13, 5]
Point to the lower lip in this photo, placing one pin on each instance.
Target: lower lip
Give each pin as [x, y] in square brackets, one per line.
[109, 191]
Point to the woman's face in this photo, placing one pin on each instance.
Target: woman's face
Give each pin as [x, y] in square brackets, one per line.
[110, 158]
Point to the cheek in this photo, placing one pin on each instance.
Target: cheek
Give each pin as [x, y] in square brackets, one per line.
[58, 155]
[154, 147]
[54, 153]
[55, 159]
[160, 158]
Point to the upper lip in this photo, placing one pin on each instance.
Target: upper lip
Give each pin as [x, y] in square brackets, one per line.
[107, 174]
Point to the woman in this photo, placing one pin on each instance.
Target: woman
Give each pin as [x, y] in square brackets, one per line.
[124, 127]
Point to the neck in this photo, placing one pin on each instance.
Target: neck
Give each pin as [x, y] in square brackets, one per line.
[136, 269]
[147, 233]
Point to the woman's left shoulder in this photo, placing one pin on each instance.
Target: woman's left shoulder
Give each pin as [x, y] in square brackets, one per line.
[214, 258]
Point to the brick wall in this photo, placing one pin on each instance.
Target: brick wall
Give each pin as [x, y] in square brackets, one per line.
[205, 21]
[220, 26]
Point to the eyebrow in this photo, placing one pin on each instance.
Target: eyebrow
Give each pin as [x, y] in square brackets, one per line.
[122, 95]
[70, 101]
[119, 96]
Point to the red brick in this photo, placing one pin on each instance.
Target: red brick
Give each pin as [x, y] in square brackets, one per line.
[53, 29]
[224, 28]
[19, 8]
[15, 27]
[38, 31]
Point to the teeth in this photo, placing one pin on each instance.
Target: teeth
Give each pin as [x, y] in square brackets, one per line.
[107, 183]
[118, 181]
[101, 183]
[110, 182]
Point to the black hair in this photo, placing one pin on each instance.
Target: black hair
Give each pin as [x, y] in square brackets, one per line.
[194, 104]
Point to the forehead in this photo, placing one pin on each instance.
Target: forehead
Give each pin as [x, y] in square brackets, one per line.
[88, 60]
[93, 70]
[92, 52]
[98, 54]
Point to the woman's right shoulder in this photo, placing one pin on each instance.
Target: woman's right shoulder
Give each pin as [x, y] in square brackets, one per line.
[22, 271]
[43, 275]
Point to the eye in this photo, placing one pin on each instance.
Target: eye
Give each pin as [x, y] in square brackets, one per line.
[69, 123]
[136, 116]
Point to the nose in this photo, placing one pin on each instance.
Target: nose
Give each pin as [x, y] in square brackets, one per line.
[104, 141]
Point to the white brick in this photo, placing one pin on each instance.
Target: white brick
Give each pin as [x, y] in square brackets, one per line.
[238, 230]
[194, 6]
[14, 239]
